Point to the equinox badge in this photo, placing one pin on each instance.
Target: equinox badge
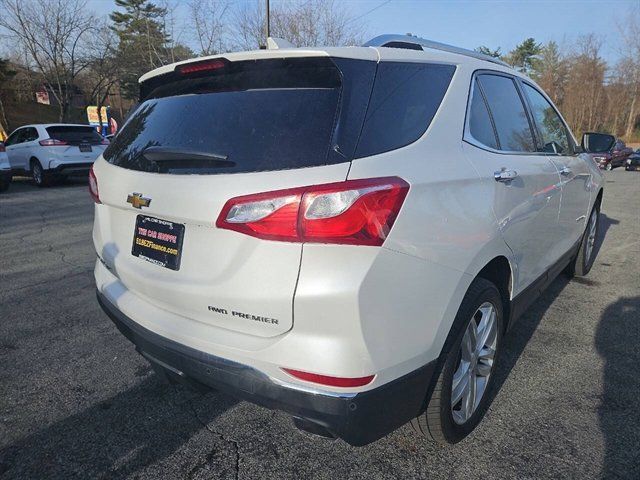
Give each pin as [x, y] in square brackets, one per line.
[138, 201]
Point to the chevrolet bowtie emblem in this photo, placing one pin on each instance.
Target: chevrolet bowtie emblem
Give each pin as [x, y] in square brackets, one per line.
[138, 201]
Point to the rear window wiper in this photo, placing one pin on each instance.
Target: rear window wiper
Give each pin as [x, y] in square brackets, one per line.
[184, 160]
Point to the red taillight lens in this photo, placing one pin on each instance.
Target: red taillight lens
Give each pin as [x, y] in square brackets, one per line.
[203, 66]
[355, 212]
[52, 142]
[330, 381]
[93, 186]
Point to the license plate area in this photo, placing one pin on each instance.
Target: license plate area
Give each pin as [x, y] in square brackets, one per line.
[85, 148]
[158, 241]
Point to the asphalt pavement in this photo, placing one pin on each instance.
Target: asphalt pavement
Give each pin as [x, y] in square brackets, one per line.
[77, 401]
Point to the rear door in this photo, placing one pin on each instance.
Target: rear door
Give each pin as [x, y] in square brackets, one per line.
[524, 184]
[29, 147]
[554, 139]
[199, 139]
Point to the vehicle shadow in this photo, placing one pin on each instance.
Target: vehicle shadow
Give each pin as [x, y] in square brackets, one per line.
[114, 438]
[616, 341]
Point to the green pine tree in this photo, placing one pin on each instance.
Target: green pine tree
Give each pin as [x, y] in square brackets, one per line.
[143, 41]
[525, 56]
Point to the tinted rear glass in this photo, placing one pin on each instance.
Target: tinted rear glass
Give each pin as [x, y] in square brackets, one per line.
[74, 135]
[404, 100]
[509, 115]
[246, 117]
[480, 124]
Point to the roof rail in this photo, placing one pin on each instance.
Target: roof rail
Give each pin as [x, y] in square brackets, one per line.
[411, 42]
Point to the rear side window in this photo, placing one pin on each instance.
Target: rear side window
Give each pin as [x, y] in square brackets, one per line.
[480, 125]
[404, 100]
[74, 135]
[508, 113]
[29, 135]
[247, 117]
[551, 129]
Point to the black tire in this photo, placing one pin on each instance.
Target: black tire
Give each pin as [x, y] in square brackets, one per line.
[609, 167]
[5, 181]
[583, 261]
[437, 422]
[40, 177]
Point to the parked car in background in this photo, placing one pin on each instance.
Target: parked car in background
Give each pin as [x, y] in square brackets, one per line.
[613, 156]
[5, 169]
[633, 162]
[344, 234]
[53, 151]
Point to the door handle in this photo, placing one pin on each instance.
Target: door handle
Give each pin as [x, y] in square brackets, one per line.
[566, 171]
[505, 175]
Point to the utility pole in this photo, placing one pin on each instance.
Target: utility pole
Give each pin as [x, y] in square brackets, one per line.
[268, 24]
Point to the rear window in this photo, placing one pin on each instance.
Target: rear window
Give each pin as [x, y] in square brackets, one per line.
[404, 100]
[278, 114]
[74, 135]
[246, 117]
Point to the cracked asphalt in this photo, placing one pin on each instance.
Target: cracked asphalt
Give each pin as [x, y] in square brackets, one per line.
[76, 401]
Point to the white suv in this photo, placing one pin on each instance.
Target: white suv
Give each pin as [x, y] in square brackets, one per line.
[343, 234]
[51, 151]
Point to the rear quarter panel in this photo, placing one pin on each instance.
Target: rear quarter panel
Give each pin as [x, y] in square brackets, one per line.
[447, 228]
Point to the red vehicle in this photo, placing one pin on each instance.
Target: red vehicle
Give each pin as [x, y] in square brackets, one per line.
[612, 157]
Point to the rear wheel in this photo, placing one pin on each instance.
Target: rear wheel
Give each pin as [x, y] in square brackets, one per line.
[583, 261]
[460, 397]
[608, 167]
[40, 177]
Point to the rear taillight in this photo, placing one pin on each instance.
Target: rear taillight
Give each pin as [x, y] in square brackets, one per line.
[52, 142]
[354, 212]
[330, 381]
[93, 186]
[202, 66]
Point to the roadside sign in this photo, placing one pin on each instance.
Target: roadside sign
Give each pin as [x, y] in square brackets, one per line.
[94, 119]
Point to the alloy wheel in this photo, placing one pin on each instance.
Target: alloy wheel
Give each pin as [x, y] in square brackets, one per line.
[475, 363]
[37, 173]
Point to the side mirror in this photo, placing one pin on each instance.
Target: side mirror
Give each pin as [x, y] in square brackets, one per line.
[597, 142]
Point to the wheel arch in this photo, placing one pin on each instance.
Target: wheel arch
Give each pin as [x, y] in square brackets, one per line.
[599, 197]
[32, 159]
[499, 272]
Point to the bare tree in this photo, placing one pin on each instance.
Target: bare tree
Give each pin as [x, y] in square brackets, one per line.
[585, 96]
[551, 72]
[309, 23]
[628, 69]
[53, 34]
[209, 17]
[103, 69]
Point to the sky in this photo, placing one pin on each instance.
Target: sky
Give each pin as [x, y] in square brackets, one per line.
[468, 24]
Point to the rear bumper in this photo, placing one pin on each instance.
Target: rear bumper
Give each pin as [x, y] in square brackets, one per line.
[358, 419]
[80, 168]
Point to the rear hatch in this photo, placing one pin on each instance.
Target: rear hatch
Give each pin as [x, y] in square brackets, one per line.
[200, 136]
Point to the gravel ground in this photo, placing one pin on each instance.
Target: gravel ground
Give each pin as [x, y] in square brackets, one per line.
[77, 401]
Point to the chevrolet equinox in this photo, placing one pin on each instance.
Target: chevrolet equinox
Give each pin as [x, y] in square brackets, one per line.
[342, 234]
